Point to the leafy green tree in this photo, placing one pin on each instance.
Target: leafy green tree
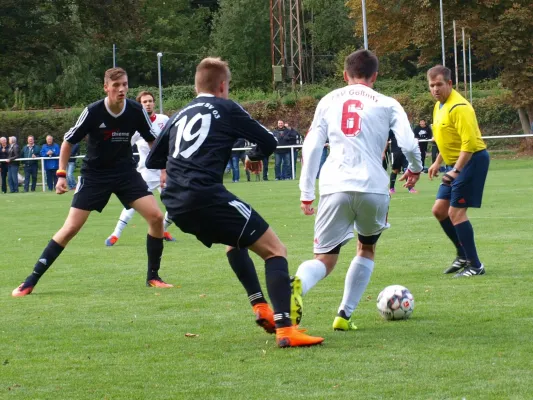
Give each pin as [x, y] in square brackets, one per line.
[241, 35]
[501, 31]
[331, 32]
[176, 29]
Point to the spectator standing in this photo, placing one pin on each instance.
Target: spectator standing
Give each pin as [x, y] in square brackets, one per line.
[31, 150]
[323, 157]
[13, 153]
[236, 158]
[282, 166]
[423, 132]
[3, 164]
[293, 139]
[50, 149]
[71, 181]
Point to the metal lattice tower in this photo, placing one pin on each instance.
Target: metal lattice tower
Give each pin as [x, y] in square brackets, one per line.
[277, 41]
[295, 62]
[286, 24]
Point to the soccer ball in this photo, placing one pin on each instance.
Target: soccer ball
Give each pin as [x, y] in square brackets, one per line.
[395, 302]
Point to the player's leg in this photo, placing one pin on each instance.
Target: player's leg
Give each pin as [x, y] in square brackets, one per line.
[333, 228]
[75, 220]
[467, 191]
[395, 170]
[244, 268]
[125, 216]
[167, 221]
[270, 249]
[370, 221]
[149, 210]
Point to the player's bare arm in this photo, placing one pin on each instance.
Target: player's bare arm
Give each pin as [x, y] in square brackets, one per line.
[463, 159]
[64, 155]
[433, 171]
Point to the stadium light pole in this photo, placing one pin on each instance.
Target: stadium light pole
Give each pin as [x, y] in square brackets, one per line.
[159, 55]
[470, 68]
[114, 55]
[455, 57]
[442, 33]
[464, 61]
[365, 30]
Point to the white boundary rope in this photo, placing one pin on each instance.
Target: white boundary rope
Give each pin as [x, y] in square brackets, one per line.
[297, 146]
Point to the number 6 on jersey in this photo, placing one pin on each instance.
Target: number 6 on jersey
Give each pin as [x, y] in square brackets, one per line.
[351, 120]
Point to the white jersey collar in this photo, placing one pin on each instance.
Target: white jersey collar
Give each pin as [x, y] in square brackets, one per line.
[106, 102]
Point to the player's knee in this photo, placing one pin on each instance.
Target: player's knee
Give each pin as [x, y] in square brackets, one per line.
[457, 215]
[279, 250]
[155, 217]
[439, 212]
[69, 230]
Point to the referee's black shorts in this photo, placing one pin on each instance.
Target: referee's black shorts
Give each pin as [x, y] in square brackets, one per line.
[234, 224]
[94, 191]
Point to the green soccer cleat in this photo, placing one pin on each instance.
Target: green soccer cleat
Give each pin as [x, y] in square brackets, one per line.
[341, 324]
[296, 301]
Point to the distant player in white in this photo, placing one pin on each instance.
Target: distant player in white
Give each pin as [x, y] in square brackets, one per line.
[354, 191]
[151, 176]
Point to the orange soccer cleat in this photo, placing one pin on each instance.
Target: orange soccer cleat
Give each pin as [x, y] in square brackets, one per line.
[111, 240]
[23, 290]
[158, 283]
[292, 336]
[167, 237]
[264, 317]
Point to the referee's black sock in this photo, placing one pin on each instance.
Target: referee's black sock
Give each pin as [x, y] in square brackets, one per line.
[50, 253]
[392, 180]
[279, 289]
[154, 248]
[451, 232]
[244, 268]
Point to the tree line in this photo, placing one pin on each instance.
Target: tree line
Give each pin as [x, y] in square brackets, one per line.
[54, 52]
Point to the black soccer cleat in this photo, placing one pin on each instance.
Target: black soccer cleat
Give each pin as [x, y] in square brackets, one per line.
[457, 265]
[471, 271]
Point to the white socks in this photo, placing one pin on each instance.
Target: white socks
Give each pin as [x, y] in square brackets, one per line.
[357, 279]
[167, 222]
[310, 272]
[123, 220]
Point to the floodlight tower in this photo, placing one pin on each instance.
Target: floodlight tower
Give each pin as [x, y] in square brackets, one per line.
[277, 41]
[295, 63]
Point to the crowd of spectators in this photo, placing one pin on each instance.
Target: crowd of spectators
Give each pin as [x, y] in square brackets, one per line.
[10, 174]
[285, 166]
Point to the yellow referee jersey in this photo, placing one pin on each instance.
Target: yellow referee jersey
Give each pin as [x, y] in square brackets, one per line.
[455, 128]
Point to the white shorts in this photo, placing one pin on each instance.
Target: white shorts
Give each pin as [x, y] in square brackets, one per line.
[339, 214]
[153, 185]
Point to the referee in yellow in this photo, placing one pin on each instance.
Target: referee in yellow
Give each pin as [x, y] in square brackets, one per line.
[458, 138]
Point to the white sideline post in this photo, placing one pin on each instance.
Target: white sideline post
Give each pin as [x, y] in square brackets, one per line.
[292, 162]
[43, 174]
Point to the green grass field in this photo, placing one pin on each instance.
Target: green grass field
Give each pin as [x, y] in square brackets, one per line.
[92, 330]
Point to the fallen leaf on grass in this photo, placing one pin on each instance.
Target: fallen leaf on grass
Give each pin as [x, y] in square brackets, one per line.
[203, 295]
[191, 335]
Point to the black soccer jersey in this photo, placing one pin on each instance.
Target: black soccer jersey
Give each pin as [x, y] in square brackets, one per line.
[195, 147]
[394, 148]
[423, 133]
[108, 144]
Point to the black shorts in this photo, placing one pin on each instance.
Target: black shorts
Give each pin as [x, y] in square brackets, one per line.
[234, 224]
[93, 192]
[398, 159]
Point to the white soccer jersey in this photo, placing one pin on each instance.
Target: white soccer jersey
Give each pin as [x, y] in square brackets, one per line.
[356, 119]
[158, 123]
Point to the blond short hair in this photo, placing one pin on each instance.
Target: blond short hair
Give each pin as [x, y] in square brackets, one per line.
[210, 73]
[113, 74]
